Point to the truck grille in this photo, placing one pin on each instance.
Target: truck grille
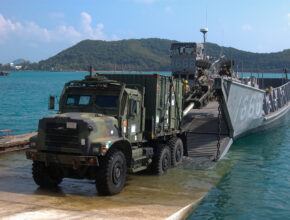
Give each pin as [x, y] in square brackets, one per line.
[57, 135]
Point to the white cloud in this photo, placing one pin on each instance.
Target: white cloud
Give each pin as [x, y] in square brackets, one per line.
[247, 27]
[7, 27]
[92, 33]
[288, 15]
[63, 33]
[168, 9]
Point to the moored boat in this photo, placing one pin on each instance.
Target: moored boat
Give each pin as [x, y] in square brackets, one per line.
[4, 73]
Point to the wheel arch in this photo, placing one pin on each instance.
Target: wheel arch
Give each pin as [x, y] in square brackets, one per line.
[125, 147]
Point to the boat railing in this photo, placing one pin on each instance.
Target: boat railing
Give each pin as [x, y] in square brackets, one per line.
[276, 98]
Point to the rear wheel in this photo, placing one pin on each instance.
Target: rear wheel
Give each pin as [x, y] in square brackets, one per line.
[112, 173]
[43, 176]
[161, 160]
[176, 148]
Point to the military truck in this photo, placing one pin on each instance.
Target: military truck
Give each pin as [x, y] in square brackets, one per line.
[107, 125]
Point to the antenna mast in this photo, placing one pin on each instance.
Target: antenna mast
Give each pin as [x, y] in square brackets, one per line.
[204, 31]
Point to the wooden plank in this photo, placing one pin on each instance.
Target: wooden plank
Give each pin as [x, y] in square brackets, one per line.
[6, 131]
[15, 142]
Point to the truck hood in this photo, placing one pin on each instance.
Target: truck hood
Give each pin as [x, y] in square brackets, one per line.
[100, 127]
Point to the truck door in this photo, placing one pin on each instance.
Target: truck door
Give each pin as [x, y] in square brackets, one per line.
[134, 119]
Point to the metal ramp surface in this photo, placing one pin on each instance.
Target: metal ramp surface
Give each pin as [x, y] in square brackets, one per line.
[202, 130]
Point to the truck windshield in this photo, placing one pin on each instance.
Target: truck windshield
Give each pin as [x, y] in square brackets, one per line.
[107, 101]
[78, 100]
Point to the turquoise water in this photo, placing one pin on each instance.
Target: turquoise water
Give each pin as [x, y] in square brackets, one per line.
[257, 186]
[24, 97]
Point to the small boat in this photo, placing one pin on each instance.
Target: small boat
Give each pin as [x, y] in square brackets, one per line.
[4, 73]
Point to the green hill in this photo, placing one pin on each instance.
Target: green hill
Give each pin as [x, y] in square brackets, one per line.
[152, 55]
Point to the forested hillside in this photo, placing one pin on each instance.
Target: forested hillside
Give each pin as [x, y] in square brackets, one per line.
[152, 55]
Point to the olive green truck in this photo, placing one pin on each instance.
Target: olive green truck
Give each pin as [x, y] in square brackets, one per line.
[108, 124]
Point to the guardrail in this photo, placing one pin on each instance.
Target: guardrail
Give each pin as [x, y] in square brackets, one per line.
[276, 99]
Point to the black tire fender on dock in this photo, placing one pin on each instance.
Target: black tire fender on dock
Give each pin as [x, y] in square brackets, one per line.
[111, 176]
[161, 159]
[46, 177]
[176, 149]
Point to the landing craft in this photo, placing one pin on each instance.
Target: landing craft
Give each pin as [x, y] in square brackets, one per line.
[220, 107]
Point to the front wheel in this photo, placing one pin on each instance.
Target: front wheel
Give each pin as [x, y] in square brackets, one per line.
[46, 177]
[112, 173]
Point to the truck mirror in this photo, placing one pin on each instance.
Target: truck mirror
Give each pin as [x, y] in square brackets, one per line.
[51, 102]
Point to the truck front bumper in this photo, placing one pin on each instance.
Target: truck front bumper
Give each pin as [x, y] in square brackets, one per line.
[62, 159]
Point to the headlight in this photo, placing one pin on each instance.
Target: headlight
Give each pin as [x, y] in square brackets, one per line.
[32, 144]
[96, 148]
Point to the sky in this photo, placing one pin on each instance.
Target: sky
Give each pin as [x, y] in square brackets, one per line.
[38, 29]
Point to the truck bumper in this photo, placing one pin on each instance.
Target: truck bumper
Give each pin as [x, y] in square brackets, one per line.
[62, 159]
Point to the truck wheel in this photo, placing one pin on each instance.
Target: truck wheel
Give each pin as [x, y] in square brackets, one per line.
[112, 174]
[161, 160]
[176, 148]
[43, 176]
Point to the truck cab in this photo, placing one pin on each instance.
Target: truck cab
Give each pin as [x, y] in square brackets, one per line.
[98, 119]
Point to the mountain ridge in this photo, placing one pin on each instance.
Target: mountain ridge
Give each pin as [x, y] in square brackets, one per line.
[152, 54]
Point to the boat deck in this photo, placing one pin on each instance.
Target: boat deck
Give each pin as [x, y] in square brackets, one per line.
[202, 132]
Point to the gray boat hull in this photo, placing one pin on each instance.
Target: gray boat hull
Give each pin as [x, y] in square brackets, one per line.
[248, 109]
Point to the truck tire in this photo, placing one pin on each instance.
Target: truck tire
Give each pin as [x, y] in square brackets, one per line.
[111, 177]
[46, 177]
[161, 160]
[176, 149]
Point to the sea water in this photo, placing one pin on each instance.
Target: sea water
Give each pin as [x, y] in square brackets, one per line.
[256, 186]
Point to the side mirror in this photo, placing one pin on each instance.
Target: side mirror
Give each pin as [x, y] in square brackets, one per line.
[51, 102]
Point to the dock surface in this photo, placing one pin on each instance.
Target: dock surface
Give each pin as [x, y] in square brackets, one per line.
[145, 196]
[10, 143]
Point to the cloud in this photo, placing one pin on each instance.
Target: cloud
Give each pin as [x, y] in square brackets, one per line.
[7, 27]
[92, 33]
[168, 9]
[288, 15]
[247, 27]
[32, 32]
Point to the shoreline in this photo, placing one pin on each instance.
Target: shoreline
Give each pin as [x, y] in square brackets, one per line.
[173, 195]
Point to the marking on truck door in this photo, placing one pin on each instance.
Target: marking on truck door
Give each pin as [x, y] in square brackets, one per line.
[133, 128]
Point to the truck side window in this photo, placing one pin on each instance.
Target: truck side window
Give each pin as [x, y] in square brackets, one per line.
[133, 109]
